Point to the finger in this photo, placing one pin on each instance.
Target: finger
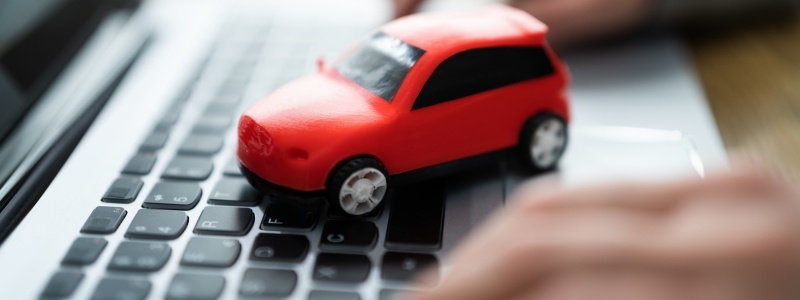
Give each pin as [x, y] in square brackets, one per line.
[560, 16]
[729, 216]
[513, 254]
[405, 7]
[732, 228]
[648, 196]
[614, 283]
[519, 249]
[573, 22]
[633, 283]
[507, 268]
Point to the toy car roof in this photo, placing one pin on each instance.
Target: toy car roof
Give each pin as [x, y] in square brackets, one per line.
[454, 31]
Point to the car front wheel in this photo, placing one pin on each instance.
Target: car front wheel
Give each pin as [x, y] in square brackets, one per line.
[358, 186]
[543, 141]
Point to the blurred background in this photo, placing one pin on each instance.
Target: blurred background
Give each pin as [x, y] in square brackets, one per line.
[746, 53]
[751, 76]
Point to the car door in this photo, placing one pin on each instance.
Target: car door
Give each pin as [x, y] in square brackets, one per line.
[468, 106]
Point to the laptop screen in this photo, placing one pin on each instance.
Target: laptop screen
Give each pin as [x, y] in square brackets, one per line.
[37, 39]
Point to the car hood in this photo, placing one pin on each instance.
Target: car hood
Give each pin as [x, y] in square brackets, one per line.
[316, 107]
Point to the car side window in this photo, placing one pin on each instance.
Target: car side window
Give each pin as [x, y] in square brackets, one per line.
[479, 70]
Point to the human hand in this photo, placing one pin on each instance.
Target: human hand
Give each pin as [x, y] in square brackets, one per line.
[730, 236]
[572, 22]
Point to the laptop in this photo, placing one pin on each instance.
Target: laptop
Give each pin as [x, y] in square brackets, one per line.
[107, 105]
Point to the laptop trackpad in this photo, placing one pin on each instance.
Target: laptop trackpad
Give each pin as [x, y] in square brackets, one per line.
[595, 154]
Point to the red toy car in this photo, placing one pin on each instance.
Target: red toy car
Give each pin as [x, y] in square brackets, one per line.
[420, 94]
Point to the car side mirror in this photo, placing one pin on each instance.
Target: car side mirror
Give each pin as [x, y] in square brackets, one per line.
[320, 63]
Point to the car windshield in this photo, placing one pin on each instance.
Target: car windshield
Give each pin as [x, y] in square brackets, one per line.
[380, 64]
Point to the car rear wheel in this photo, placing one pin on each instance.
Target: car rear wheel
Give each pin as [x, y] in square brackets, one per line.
[543, 141]
[358, 186]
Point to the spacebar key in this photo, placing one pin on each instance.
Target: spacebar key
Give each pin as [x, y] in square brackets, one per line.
[415, 219]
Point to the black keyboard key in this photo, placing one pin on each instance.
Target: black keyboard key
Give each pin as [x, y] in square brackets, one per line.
[155, 141]
[228, 95]
[283, 216]
[252, 55]
[240, 75]
[170, 117]
[211, 252]
[227, 100]
[195, 286]
[188, 168]
[122, 288]
[123, 190]
[216, 108]
[140, 256]
[232, 168]
[391, 294]
[201, 144]
[213, 124]
[84, 251]
[140, 164]
[348, 235]
[104, 220]
[279, 247]
[225, 221]
[234, 191]
[157, 224]
[415, 222]
[329, 295]
[341, 267]
[187, 91]
[62, 284]
[267, 283]
[174, 195]
[405, 266]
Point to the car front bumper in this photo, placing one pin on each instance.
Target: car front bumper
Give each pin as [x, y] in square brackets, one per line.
[282, 193]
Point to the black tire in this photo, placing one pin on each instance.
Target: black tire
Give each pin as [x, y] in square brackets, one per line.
[337, 180]
[548, 157]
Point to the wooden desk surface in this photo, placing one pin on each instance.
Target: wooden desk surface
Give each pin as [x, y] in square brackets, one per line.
[752, 81]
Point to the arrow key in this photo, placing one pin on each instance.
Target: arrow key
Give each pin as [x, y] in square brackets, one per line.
[157, 224]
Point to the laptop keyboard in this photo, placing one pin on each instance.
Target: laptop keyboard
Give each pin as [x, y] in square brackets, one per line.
[231, 240]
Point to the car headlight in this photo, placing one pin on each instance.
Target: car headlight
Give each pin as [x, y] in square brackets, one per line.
[255, 138]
